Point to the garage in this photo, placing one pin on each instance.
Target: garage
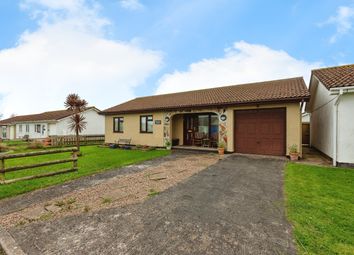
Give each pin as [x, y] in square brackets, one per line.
[260, 131]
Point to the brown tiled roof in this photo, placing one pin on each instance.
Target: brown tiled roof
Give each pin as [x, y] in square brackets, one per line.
[45, 116]
[293, 89]
[335, 77]
[52, 115]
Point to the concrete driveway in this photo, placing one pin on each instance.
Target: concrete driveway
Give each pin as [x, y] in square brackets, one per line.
[233, 207]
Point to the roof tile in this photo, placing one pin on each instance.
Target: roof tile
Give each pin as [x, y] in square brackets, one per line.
[335, 77]
[269, 91]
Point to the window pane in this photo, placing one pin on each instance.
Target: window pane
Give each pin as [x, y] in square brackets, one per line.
[149, 126]
[143, 124]
[121, 121]
[214, 127]
[203, 124]
[115, 125]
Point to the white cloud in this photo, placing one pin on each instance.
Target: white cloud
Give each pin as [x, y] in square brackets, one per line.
[131, 4]
[242, 63]
[343, 20]
[69, 53]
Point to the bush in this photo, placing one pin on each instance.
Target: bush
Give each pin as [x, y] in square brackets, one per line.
[35, 145]
[3, 147]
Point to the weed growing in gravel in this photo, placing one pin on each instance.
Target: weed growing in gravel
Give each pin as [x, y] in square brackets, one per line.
[153, 192]
[71, 201]
[87, 209]
[60, 203]
[106, 200]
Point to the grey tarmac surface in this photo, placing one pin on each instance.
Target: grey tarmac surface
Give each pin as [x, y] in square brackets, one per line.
[233, 207]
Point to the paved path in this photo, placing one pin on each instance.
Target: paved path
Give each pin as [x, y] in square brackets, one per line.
[233, 207]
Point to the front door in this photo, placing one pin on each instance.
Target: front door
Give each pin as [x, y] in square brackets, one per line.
[190, 127]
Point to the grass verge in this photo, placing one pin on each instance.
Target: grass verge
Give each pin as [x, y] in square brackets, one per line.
[95, 159]
[320, 205]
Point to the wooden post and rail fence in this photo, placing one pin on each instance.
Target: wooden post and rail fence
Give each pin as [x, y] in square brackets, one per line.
[70, 140]
[4, 169]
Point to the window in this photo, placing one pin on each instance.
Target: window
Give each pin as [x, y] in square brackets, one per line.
[27, 128]
[3, 129]
[20, 128]
[146, 123]
[118, 124]
[37, 128]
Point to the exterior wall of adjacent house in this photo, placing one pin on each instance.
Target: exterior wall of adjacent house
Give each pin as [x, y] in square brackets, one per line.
[293, 124]
[321, 109]
[95, 125]
[345, 142]
[12, 132]
[174, 129]
[21, 130]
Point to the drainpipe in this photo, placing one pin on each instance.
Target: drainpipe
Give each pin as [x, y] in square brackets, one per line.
[335, 126]
[335, 130]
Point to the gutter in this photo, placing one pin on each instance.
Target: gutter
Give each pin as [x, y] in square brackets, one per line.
[338, 92]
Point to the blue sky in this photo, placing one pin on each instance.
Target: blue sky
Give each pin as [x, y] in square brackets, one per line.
[112, 50]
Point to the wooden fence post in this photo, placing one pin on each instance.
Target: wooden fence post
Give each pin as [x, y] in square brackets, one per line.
[2, 170]
[75, 156]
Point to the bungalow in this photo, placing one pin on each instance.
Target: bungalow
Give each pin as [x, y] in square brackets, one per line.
[42, 125]
[331, 116]
[255, 118]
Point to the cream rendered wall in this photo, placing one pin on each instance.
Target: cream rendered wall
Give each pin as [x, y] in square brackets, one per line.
[177, 128]
[321, 109]
[132, 130]
[12, 132]
[346, 129]
[293, 124]
[95, 125]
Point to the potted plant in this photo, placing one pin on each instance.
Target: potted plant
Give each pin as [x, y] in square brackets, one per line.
[293, 152]
[168, 144]
[221, 148]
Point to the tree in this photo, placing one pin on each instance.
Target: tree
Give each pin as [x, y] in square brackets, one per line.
[77, 120]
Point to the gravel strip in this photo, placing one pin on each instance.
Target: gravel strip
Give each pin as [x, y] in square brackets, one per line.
[115, 192]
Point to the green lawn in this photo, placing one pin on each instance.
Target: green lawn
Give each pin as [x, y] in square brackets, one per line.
[320, 205]
[95, 159]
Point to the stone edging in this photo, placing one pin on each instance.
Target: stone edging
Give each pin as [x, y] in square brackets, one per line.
[8, 244]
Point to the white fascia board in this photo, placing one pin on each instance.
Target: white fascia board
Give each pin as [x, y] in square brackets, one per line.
[341, 90]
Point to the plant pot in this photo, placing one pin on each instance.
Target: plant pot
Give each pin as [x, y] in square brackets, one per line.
[294, 156]
[221, 151]
[169, 147]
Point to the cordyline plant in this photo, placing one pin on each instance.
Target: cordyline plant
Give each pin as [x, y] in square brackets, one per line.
[77, 121]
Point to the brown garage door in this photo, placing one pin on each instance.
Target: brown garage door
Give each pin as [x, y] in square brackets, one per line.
[260, 131]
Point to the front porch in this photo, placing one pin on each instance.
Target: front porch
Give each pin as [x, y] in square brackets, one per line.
[195, 131]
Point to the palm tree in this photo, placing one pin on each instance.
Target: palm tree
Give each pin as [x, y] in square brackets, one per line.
[77, 121]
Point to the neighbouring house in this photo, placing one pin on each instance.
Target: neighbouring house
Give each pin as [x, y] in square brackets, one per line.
[53, 123]
[331, 112]
[256, 118]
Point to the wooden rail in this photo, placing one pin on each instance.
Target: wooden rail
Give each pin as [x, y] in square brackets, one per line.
[70, 140]
[4, 170]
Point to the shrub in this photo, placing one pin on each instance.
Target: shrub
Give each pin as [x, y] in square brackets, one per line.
[35, 145]
[293, 148]
[3, 147]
